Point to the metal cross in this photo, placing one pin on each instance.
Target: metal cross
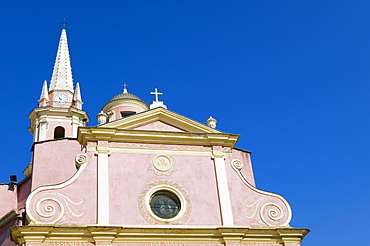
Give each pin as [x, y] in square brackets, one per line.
[156, 93]
[124, 87]
[64, 23]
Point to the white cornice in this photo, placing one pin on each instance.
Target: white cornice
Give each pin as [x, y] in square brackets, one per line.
[137, 234]
[86, 134]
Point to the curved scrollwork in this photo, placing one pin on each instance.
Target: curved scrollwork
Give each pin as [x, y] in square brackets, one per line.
[47, 204]
[271, 208]
[237, 164]
[48, 207]
[52, 206]
[273, 211]
[80, 160]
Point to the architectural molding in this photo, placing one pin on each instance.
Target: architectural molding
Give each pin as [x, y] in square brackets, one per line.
[86, 134]
[163, 115]
[186, 235]
[8, 217]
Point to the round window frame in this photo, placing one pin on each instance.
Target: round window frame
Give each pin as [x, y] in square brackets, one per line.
[165, 188]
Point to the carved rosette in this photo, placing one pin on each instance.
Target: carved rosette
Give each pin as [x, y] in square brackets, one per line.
[269, 208]
[149, 189]
[162, 164]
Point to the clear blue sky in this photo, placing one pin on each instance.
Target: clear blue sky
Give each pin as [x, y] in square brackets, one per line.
[292, 77]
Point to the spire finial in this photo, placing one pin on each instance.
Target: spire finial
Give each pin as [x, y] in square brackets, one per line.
[64, 23]
[124, 88]
[156, 93]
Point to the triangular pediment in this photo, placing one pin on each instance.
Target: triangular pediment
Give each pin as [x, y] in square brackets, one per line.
[160, 119]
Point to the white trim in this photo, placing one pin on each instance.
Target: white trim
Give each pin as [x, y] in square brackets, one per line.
[223, 192]
[103, 185]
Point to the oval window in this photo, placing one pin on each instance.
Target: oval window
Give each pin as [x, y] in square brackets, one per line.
[165, 204]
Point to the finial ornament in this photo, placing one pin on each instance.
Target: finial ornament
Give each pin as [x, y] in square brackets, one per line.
[211, 122]
[102, 117]
[156, 93]
[64, 23]
[124, 88]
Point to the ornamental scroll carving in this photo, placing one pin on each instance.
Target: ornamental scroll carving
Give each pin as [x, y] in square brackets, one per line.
[47, 204]
[269, 208]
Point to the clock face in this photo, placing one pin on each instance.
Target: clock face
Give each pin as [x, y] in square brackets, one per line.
[60, 99]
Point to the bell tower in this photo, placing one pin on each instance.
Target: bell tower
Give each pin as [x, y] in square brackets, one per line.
[59, 112]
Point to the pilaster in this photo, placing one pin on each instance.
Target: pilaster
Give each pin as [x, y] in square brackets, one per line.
[222, 185]
[102, 152]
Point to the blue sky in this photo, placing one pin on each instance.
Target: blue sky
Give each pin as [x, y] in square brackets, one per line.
[292, 77]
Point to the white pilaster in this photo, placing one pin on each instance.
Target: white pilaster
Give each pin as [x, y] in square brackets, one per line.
[42, 129]
[223, 188]
[103, 184]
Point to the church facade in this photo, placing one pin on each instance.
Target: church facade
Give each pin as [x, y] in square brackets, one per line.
[144, 176]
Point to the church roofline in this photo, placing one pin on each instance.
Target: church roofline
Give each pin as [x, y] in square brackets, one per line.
[161, 114]
[86, 134]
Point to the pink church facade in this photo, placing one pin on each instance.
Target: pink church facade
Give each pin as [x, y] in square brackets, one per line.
[144, 176]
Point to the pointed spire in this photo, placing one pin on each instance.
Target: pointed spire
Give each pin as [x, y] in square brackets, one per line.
[77, 97]
[44, 97]
[62, 73]
[77, 94]
[44, 92]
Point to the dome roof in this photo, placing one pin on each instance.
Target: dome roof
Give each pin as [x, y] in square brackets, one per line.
[125, 95]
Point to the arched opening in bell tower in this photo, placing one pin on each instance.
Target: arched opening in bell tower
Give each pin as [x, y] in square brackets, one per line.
[59, 132]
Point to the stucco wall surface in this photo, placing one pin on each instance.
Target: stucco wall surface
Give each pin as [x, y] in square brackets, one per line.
[8, 198]
[54, 161]
[131, 173]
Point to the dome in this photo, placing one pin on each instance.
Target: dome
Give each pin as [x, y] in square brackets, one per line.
[123, 105]
[125, 95]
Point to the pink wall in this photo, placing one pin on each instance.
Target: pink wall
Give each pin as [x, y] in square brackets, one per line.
[24, 189]
[129, 173]
[8, 198]
[54, 161]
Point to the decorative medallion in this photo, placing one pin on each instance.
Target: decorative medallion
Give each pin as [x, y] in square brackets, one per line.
[162, 164]
[158, 126]
[164, 201]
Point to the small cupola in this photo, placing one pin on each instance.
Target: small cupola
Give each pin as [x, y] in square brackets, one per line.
[122, 105]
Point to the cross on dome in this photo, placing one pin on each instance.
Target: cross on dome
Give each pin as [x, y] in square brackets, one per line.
[124, 88]
[156, 93]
